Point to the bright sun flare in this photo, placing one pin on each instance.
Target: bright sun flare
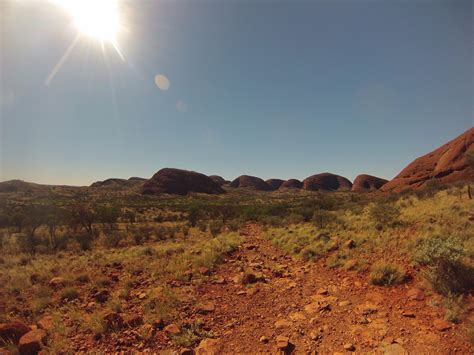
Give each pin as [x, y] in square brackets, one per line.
[98, 19]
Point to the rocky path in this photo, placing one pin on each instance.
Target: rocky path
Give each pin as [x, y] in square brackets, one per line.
[261, 301]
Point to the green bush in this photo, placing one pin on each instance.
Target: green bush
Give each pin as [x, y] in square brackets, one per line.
[385, 274]
[385, 214]
[446, 271]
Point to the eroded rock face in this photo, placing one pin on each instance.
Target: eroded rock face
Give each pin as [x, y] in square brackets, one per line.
[274, 183]
[366, 182]
[250, 182]
[326, 182]
[180, 182]
[291, 184]
[446, 164]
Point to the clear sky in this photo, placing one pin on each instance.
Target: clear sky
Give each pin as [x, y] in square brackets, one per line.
[280, 89]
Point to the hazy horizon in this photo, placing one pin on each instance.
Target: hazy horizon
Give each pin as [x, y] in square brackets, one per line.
[232, 88]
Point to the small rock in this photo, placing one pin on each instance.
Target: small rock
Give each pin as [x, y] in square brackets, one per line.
[32, 342]
[282, 342]
[441, 325]
[263, 339]
[416, 294]
[208, 347]
[349, 347]
[186, 351]
[322, 291]
[46, 323]
[206, 307]
[13, 331]
[142, 295]
[282, 323]
[219, 281]
[252, 291]
[172, 329]
[408, 314]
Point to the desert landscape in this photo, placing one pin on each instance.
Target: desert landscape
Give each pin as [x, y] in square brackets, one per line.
[186, 263]
[220, 177]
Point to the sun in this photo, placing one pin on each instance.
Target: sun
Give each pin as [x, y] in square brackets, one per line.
[97, 19]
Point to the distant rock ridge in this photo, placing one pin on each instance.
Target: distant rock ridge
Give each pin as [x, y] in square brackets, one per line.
[180, 182]
[291, 184]
[366, 182]
[445, 164]
[219, 180]
[326, 182]
[250, 182]
[274, 184]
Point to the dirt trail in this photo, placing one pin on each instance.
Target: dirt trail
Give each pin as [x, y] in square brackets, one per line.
[316, 308]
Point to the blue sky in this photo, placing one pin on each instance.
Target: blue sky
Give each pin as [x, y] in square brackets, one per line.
[269, 88]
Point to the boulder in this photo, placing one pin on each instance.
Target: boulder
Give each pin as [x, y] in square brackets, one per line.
[250, 182]
[180, 182]
[274, 184]
[446, 164]
[208, 347]
[326, 182]
[32, 342]
[366, 182]
[291, 184]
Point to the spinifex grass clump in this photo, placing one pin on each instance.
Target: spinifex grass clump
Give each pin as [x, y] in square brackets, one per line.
[386, 274]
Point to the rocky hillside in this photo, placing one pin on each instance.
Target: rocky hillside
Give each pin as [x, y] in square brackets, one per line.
[326, 182]
[366, 182]
[180, 182]
[446, 164]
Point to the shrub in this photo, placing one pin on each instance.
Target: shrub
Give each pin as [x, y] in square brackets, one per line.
[455, 308]
[310, 253]
[321, 218]
[215, 227]
[69, 294]
[384, 213]
[385, 274]
[446, 271]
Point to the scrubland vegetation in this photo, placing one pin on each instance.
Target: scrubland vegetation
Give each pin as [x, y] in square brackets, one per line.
[141, 254]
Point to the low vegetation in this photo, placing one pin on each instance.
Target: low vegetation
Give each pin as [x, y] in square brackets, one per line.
[149, 252]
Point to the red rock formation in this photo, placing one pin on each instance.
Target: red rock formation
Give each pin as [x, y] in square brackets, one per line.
[274, 183]
[368, 182]
[326, 181]
[219, 180]
[446, 164]
[180, 182]
[251, 182]
[291, 184]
